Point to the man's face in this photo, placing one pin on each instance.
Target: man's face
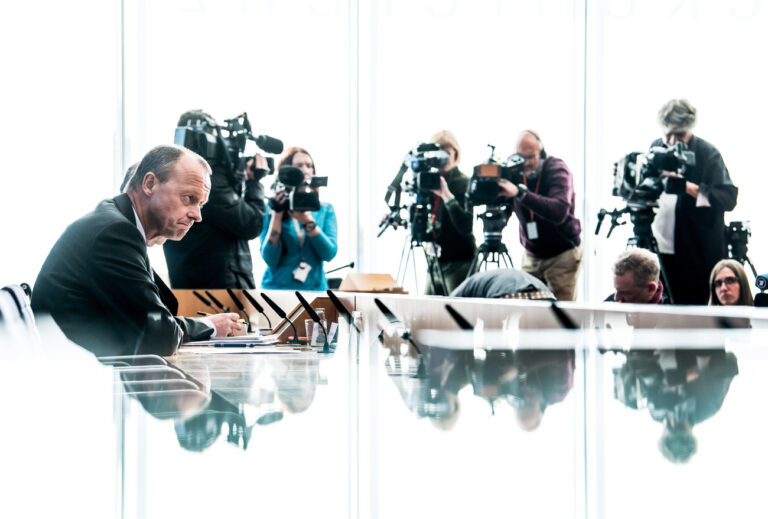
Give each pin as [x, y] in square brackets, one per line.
[175, 205]
[674, 135]
[530, 149]
[628, 292]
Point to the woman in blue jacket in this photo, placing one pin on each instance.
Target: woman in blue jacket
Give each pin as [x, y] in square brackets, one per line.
[295, 244]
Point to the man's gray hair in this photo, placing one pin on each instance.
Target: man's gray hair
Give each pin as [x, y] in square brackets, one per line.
[161, 160]
[643, 264]
[677, 114]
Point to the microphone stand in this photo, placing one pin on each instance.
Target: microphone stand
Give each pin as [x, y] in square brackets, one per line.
[280, 313]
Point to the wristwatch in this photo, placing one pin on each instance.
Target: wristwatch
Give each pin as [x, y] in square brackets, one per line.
[310, 226]
[522, 190]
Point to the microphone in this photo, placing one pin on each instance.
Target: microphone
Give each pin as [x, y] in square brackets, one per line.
[281, 314]
[239, 305]
[313, 315]
[350, 265]
[342, 310]
[563, 318]
[269, 144]
[216, 302]
[204, 300]
[257, 306]
[458, 318]
[290, 176]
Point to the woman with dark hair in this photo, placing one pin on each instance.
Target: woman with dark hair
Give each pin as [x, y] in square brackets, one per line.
[294, 244]
[728, 285]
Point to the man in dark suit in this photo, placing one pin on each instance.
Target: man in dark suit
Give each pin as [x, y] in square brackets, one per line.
[97, 282]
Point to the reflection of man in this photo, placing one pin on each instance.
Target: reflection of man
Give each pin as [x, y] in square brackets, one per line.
[636, 278]
[97, 282]
[549, 230]
[215, 253]
[689, 227]
[680, 388]
[453, 220]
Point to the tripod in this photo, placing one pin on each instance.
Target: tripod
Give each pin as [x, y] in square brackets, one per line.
[737, 234]
[433, 265]
[641, 218]
[492, 250]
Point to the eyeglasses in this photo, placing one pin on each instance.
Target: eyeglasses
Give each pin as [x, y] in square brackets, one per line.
[730, 280]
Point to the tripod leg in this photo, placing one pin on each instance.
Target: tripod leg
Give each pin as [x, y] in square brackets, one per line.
[401, 267]
[751, 266]
[415, 273]
[654, 247]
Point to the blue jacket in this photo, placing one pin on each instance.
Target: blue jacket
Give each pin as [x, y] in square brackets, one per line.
[282, 259]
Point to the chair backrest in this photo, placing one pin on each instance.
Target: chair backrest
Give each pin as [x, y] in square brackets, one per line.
[15, 309]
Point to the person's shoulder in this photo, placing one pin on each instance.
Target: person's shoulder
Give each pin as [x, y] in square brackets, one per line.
[700, 145]
[555, 165]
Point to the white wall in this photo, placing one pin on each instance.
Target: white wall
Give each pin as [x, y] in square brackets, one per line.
[358, 84]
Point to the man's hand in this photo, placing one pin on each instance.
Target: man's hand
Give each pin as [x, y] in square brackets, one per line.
[508, 188]
[690, 188]
[226, 324]
[259, 163]
[443, 192]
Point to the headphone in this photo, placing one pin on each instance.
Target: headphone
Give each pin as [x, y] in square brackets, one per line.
[543, 152]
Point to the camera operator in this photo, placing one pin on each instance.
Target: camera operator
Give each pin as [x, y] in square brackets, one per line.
[294, 244]
[453, 219]
[549, 230]
[215, 252]
[689, 226]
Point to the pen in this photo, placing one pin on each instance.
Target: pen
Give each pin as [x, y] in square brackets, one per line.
[241, 321]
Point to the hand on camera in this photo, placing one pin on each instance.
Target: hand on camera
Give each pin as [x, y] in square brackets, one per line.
[507, 188]
[256, 168]
[277, 201]
[226, 324]
[302, 217]
[443, 192]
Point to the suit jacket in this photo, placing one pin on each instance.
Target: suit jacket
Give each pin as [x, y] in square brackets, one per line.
[98, 286]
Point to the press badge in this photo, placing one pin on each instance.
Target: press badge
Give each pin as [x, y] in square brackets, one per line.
[531, 230]
[301, 272]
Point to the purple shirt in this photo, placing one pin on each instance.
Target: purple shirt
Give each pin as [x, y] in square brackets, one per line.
[553, 211]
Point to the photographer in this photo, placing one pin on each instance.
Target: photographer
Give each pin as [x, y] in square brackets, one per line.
[215, 252]
[294, 244]
[549, 230]
[452, 219]
[689, 226]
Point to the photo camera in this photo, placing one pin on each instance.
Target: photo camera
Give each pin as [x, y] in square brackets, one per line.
[637, 176]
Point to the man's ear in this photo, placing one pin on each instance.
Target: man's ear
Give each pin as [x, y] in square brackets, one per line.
[149, 183]
[653, 286]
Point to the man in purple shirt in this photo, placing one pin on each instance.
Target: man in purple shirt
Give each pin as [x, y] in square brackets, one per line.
[549, 230]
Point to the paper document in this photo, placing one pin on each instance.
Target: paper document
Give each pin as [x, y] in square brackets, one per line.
[243, 340]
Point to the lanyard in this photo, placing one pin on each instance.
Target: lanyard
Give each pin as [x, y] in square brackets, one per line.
[299, 232]
[538, 183]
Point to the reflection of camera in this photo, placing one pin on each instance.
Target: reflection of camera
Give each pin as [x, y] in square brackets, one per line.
[300, 195]
[637, 176]
[484, 186]
[223, 146]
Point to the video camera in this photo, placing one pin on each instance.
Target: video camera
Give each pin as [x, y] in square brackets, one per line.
[425, 161]
[637, 176]
[223, 146]
[300, 195]
[484, 185]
